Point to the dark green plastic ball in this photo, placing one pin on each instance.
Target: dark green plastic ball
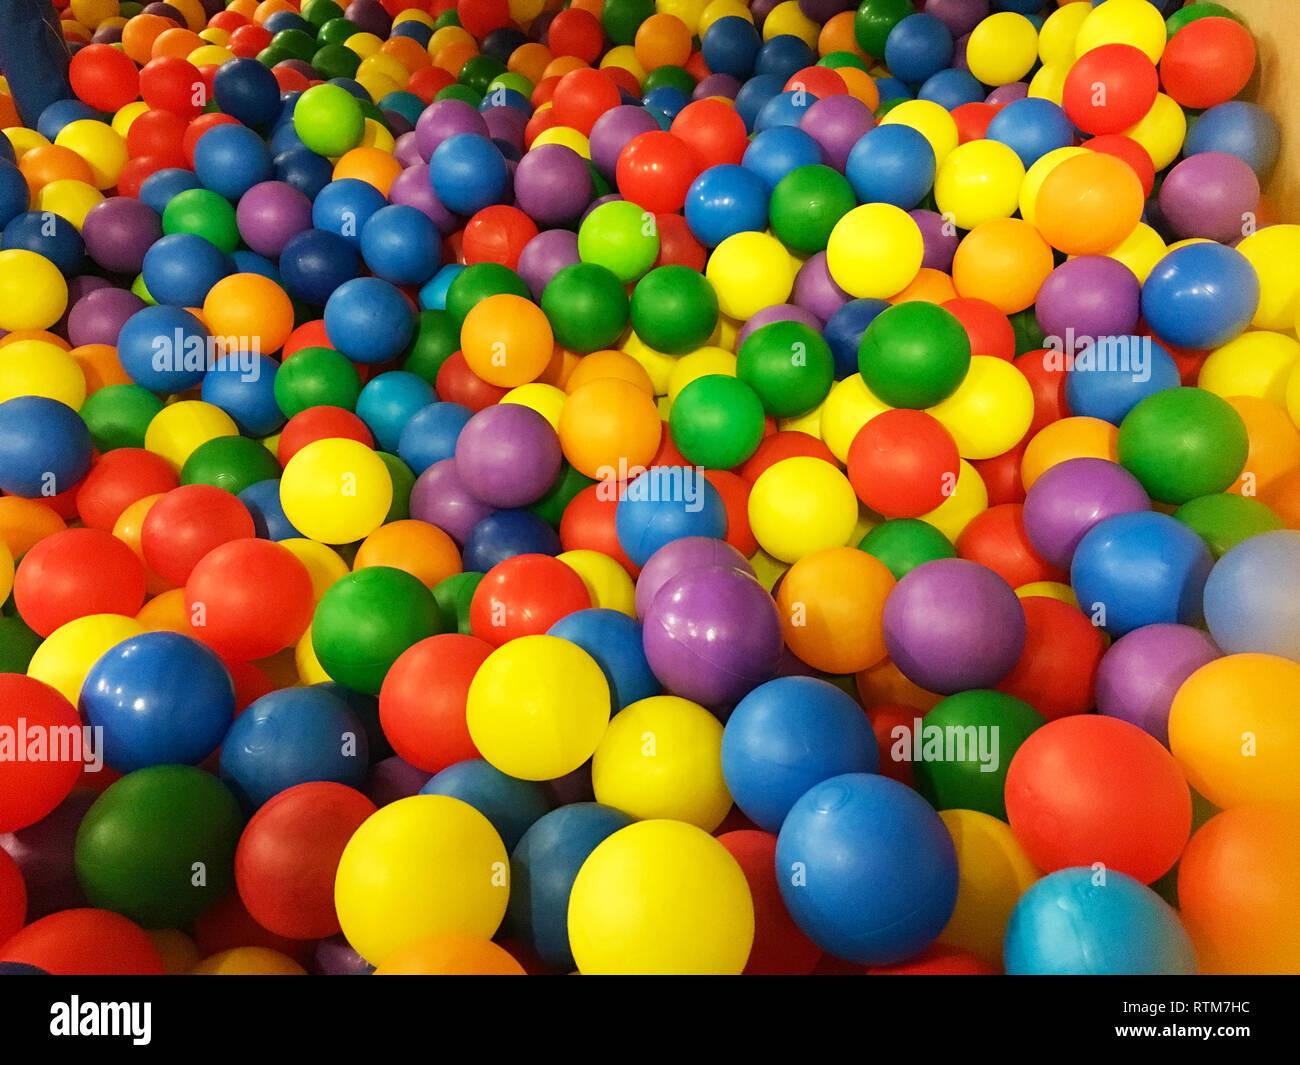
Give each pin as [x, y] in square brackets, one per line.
[1182, 443]
[674, 309]
[716, 421]
[587, 307]
[789, 365]
[119, 415]
[914, 355]
[902, 544]
[316, 377]
[230, 463]
[805, 206]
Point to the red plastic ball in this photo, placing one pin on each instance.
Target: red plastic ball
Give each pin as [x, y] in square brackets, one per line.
[173, 84]
[588, 523]
[525, 596]
[290, 80]
[75, 573]
[678, 245]
[1002, 477]
[577, 33]
[789, 443]
[119, 478]
[1110, 88]
[990, 330]
[249, 598]
[1058, 667]
[227, 924]
[656, 169]
[481, 17]
[289, 853]
[887, 719]
[248, 40]
[780, 946]
[996, 539]
[938, 959]
[734, 491]
[427, 82]
[136, 172]
[158, 134]
[187, 523]
[85, 943]
[422, 701]
[13, 897]
[1207, 62]
[582, 96]
[320, 423]
[715, 129]
[497, 234]
[903, 463]
[104, 77]
[816, 81]
[457, 383]
[1086, 789]
[33, 713]
[1046, 373]
[973, 121]
[308, 335]
[1131, 152]
[250, 682]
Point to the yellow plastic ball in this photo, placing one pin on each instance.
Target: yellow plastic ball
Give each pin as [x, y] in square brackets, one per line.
[875, 251]
[310, 671]
[1274, 252]
[385, 65]
[125, 116]
[750, 271]
[993, 871]
[699, 363]
[717, 9]
[1140, 251]
[1135, 22]
[929, 119]
[657, 365]
[1048, 590]
[412, 14]
[210, 55]
[538, 707]
[524, 11]
[787, 20]
[800, 505]
[1075, 437]
[978, 182]
[179, 429]
[1234, 728]
[33, 294]
[1049, 82]
[662, 757]
[1037, 174]
[68, 199]
[179, 952]
[336, 491]
[248, 961]
[848, 407]
[421, 866]
[374, 135]
[1254, 364]
[547, 400]
[1002, 48]
[810, 423]
[364, 44]
[96, 142]
[689, 11]
[91, 13]
[567, 136]
[23, 140]
[68, 653]
[969, 499]
[991, 410]
[624, 57]
[1293, 395]
[607, 582]
[1161, 131]
[1060, 30]
[213, 35]
[39, 368]
[661, 898]
[6, 570]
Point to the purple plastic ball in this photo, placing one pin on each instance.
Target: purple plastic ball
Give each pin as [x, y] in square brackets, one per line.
[960, 16]
[369, 16]
[1143, 670]
[712, 635]
[951, 625]
[939, 239]
[506, 124]
[443, 119]
[508, 455]
[118, 231]
[680, 556]
[837, 123]
[43, 853]
[545, 256]
[413, 189]
[335, 957]
[716, 85]
[815, 290]
[778, 312]
[760, 9]
[406, 150]
[1063, 505]
[613, 130]
[1005, 94]
[1210, 195]
[393, 779]
[98, 317]
[270, 215]
[1091, 296]
[441, 498]
[552, 185]
[821, 11]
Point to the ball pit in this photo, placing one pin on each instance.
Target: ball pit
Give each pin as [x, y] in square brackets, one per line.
[551, 452]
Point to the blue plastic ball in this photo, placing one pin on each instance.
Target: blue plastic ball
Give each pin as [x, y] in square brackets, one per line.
[369, 320]
[891, 164]
[249, 262]
[1200, 296]
[164, 349]
[1111, 376]
[433, 296]
[262, 498]
[918, 47]
[730, 46]
[245, 389]
[247, 90]
[161, 699]
[1250, 597]
[1140, 568]
[787, 736]
[231, 159]
[667, 98]
[180, 268]
[507, 533]
[61, 113]
[1077, 922]
[844, 333]
[1239, 128]
[613, 639]
[666, 504]
[1031, 128]
[893, 89]
[951, 88]
[867, 869]
[775, 152]
[512, 805]
[401, 245]
[389, 401]
[406, 104]
[783, 56]
[468, 173]
[754, 94]
[160, 187]
[316, 262]
[725, 200]
[290, 737]
[784, 109]
[14, 193]
[49, 235]
[45, 447]
[302, 168]
[430, 435]
[343, 207]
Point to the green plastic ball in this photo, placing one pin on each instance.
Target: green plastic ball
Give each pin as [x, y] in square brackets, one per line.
[716, 421]
[835, 60]
[119, 415]
[805, 206]
[1182, 443]
[17, 645]
[568, 483]
[620, 236]
[476, 283]
[1192, 12]
[454, 594]
[316, 377]
[319, 12]
[366, 620]
[336, 31]
[674, 309]
[1029, 334]
[1223, 521]
[436, 339]
[328, 120]
[478, 71]
[673, 77]
[914, 355]
[335, 61]
[902, 544]
[158, 846]
[230, 463]
[296, 44]
[510, 80]
[403, 479]
[788, 365]
[587, 307]
[951, 782]
[460, 92]
[622, 18]
[874, 21]
[450, 17]
[205, 214]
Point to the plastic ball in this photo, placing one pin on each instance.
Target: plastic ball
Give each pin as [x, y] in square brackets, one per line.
[874, 251]
[336, 491]
[1110, 88]
[717, 421]
[34, 786]
[622, 237]
[665, 504]
[725, 200]
[1200, 296]
[507, 340]
[328, 120]
[674, 309]
[892, 164]
[800, 505]
[750, 271]
[845, 837]
[400, 244]
[422, 700]
[660, 897]
[1244, 609]
[1141, 672]
[977, 182]
[1069, 499]
[1088, 204]
[587, 307]
[825, 625]
[33, 293]
[1182, 443]
[82, 942]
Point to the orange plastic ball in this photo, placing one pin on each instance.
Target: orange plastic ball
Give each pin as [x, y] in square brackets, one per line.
[608, 427]
[450, 955]
[1088, 204]
[507, 340]
[374, 166]
[1069, 438]
[416, 547]
[251, 308]
[1005, 262]
[831, 603]
[662, 40]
